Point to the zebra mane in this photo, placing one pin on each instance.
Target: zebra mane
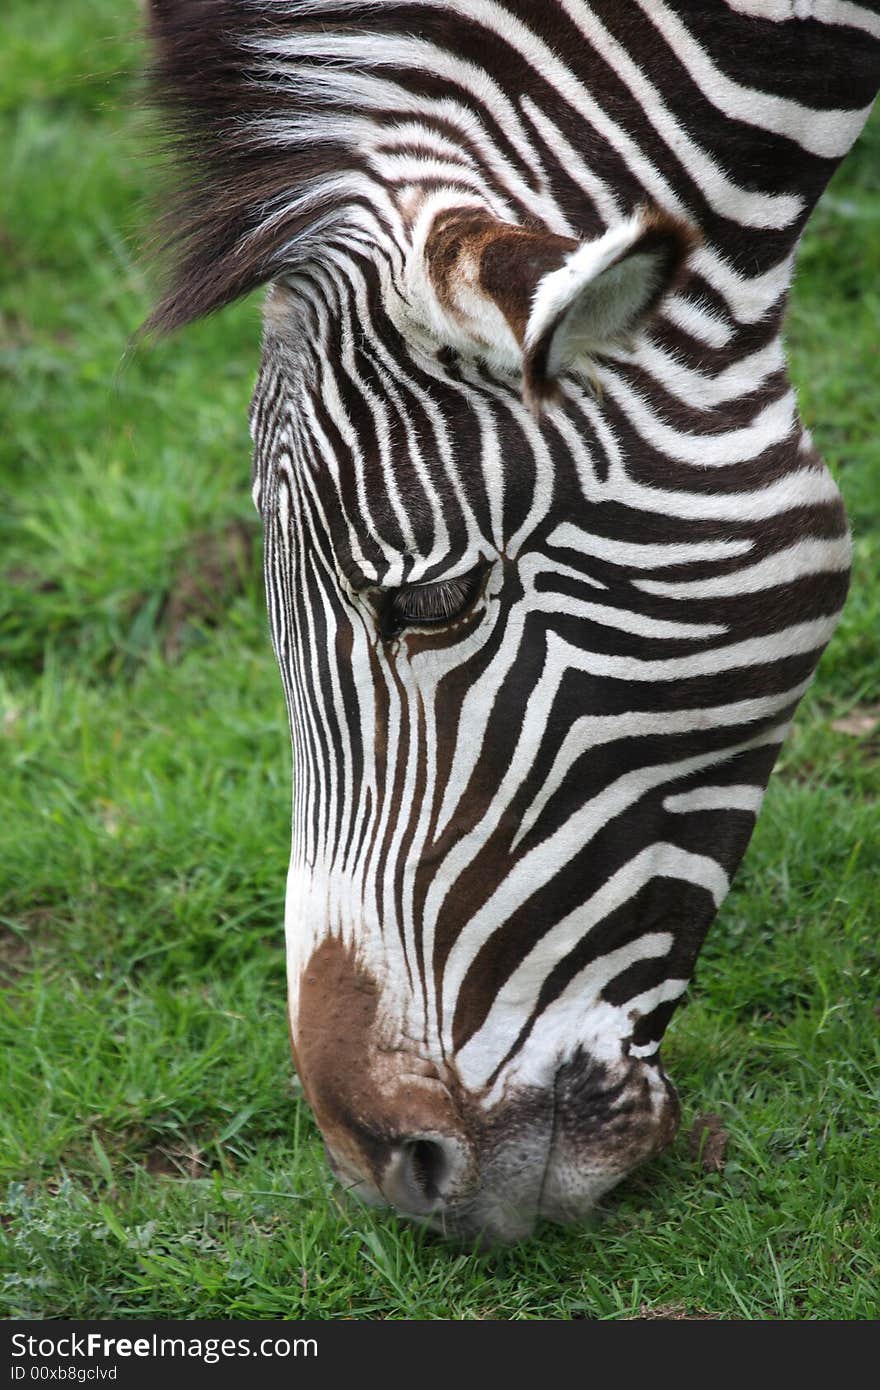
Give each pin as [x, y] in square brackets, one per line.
[264, 158]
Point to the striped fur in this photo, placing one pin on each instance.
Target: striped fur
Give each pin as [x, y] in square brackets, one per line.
[550, 558]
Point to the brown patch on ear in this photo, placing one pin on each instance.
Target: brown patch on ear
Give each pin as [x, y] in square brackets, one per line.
[511, 265]
[366, 1094]
[466, 249]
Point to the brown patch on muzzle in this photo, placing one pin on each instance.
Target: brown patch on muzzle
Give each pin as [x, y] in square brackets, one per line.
[368, 1092]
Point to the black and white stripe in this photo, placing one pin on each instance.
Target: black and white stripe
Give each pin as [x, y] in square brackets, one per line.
[520, 822]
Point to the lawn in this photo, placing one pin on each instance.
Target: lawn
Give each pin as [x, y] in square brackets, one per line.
[156, 1158]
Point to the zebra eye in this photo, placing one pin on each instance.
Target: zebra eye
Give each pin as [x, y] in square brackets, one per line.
[427, 605]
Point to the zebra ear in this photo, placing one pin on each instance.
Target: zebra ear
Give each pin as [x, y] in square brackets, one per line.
[602, 293]
[544, 302]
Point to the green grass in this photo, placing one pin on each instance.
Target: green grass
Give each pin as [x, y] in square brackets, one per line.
[158, 1159]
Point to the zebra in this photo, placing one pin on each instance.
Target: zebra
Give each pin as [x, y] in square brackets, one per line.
[550, 558]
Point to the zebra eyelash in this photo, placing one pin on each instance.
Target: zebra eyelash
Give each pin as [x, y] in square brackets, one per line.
[427, 605]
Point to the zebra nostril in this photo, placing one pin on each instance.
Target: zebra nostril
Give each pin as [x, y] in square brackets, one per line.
[428, 1166]
[421, 1173]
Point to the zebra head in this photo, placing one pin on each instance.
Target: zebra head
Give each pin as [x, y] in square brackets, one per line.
[525, 489]
[470, 1033]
